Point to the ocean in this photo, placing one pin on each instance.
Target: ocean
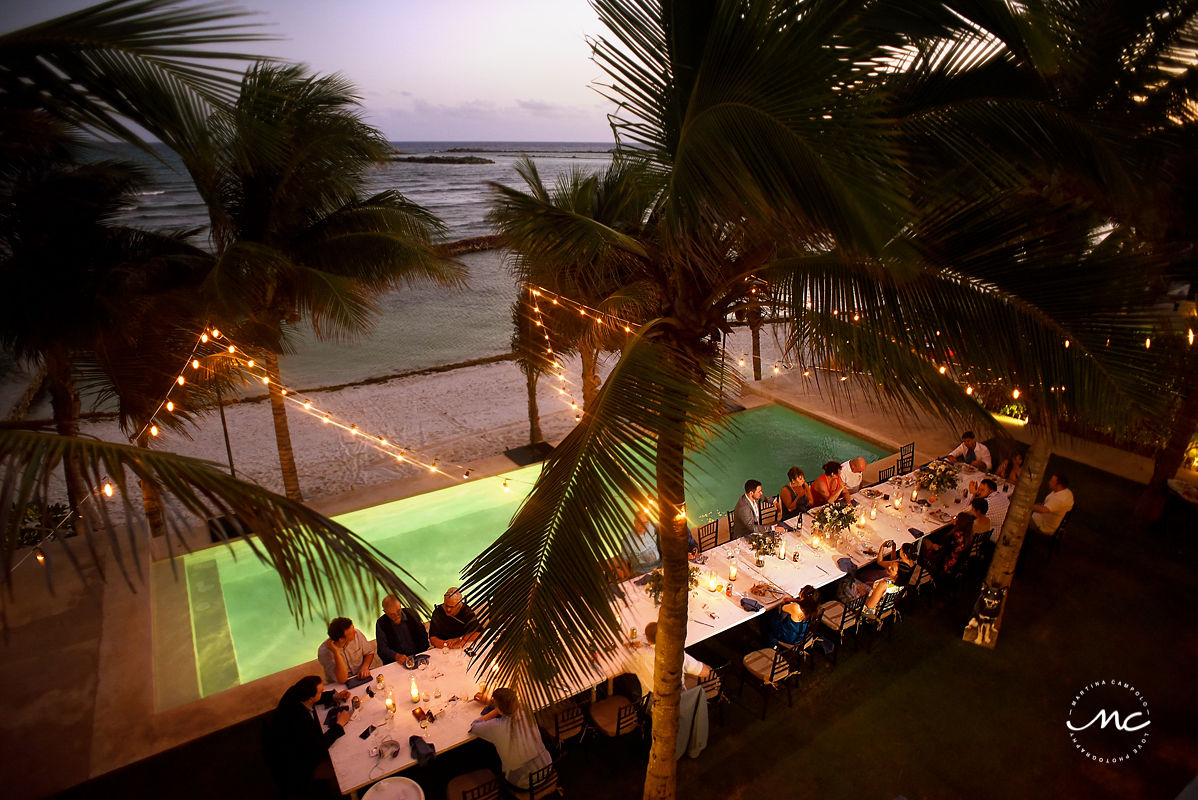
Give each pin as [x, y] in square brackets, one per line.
[416, 328]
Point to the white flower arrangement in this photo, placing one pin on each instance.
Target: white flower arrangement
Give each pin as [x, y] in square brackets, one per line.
[937, 477]
[835, 516]
[763, 544]
[653, 584]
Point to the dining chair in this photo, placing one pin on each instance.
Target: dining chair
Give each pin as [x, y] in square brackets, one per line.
[708, 535]
[481, 784]
[542, 783]
[886, 615]
[616, 715]
[565, 724]
[770, 669]
[906, 461]
[768, 508]
[840, 619]
[887, 473]
[713, 687]
[1055, 544]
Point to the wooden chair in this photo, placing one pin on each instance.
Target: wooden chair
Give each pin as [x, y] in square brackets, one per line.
[771, 668]
[1055, 544]
[840, 619]
[906, 461]
[886, 611]
[565, 724]
[887, 473]
[542, 783]
[617, 715]
[713, 687]
[768, 508]
[481, 784]
[708, 535]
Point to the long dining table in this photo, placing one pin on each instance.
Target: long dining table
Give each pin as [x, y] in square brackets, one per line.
[446, 685]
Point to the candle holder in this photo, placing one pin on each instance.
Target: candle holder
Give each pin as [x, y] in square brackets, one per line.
[414, 691]
[712, 585]
[732, 571]
[873, 511]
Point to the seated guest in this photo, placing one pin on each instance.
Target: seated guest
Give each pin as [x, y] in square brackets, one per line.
[746, 517]
[295, 747]
[1047, 515]
[1010, 469]
[641, 551]
[981, 522]
[971, 452]
[643, 665]
[850, 474]
[516, 737]
[996, 501]
[346, 653]
[828, 488]
[943, 559]
[904, 559]
[887, 584]
[453, 624]
[398, 632]
[795, 496]
[789, 624]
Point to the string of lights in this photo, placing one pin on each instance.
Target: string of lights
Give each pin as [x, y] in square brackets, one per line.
[105, 488]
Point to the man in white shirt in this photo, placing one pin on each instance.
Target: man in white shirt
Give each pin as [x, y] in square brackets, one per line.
[972, 452]
[346, 653]
[851, 472]
[997, 502]
[643, 659]
[1047, 516]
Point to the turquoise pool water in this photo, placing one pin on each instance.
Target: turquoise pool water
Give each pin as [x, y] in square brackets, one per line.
[241, 627]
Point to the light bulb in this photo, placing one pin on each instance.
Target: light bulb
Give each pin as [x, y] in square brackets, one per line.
[1015, 394]
[180, 380]
[856, 317]
[353, 429]
[943, 369]
[777, 369]
[170, 406]
[1148, 342]
[307, 405]
[40, 556]
[153, 430]
[578, 417]
[251, 363]
[806, 373]
[232, 349]
[326, 418]
[204, 338]
[1190, 335]
[1066, 344]
[382, 441]
[265, 379]
[195, 363]
[629, 330]
[466, 475]
[506, 488]
[107, 490]
[844, 378]
[741, 362]
[432, 467]
[968, 390]
[215, 333]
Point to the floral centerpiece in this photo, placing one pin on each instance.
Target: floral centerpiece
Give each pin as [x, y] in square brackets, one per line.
[763, 544]
[653, 583]
[835, 517]
[937, 477]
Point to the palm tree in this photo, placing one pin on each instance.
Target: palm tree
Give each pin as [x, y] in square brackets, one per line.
[576, 240]
[777, 128]
[282, 175]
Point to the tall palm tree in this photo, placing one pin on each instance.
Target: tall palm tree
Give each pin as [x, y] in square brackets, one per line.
[282, 176]
[777, 128]
[576, 239]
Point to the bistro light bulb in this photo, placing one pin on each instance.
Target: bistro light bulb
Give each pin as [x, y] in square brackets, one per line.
[251, 363]
[777, 369]
[283, 392]
[353, 429]
[327, 419]
[170, 406]
[968, 390]
[1066, 344]
[629, 330]
[741, 362]
[844, 378]
[399, 456]
[41, 557]
[107, 490]
[265, 379]
[307, 405]
[806, 373]
[180, 380]
[204, 338]
[506, 487]
[943, 369]
[153, 430]
[432, 467]
[232, 349]
[578, 417]
[1015, 394]
[466, 475]
[1148, 342]
[215, 333]
[195, 363]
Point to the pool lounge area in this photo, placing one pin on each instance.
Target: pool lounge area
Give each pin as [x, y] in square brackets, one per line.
[220, 617]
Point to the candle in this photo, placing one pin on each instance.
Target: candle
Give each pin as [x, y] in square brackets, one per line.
[915, 493]
[898, 501]
[711, 584]
[814, 540]
[873, 511]
[390, 704]
[782, 549]
[415, 691]
[732, 571]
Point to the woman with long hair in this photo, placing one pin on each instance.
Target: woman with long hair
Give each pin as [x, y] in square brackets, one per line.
[516, 738]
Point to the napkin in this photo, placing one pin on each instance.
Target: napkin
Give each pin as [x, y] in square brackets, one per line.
[915, 531]
[355, 682]
[331, 717]
[749, 604]
[641, 580]
[422, 751]
[846, 565]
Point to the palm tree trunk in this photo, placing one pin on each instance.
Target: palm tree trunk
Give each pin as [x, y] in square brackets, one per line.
[1151, 504]
[151, 501]
[1014, 529]
[590, 377]
[64, 400]
[535, 436]
[754, 317]
[278, 410]
[661, 774]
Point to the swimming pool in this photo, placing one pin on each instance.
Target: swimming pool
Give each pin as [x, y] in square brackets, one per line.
[235, 608]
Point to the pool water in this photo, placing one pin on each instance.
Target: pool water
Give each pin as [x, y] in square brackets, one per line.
[241, 627]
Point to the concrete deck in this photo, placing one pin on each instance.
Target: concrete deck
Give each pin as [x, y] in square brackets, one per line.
[78, 662]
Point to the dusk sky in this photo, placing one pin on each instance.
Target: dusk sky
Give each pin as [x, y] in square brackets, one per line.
[467, 70]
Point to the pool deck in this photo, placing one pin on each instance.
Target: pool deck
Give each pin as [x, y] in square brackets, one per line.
[79, 666]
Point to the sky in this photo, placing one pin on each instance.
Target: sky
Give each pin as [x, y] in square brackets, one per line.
[436, 70]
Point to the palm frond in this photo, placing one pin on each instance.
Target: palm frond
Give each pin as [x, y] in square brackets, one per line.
[322, 564]
[547, 577]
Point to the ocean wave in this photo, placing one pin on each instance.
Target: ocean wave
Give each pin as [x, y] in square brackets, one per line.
[150, 194]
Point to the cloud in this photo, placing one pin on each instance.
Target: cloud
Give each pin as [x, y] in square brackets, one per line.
[421, 119]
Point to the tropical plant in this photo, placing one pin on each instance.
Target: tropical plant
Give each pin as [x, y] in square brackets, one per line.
[322, 564]
[282, 175]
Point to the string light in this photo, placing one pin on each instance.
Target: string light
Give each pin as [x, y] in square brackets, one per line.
[153, 430]
[1015, 394]
[195, 363]
[204, 338]
[215, 333]
[968, 390]
[1190, 335]
[506, 487]
[943, 369]
[108, 490]
[170, 406]
[180, 380]
[1147, 342]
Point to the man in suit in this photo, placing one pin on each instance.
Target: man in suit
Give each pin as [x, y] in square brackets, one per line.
[398, 633]
[746, 517]
[295, 745]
